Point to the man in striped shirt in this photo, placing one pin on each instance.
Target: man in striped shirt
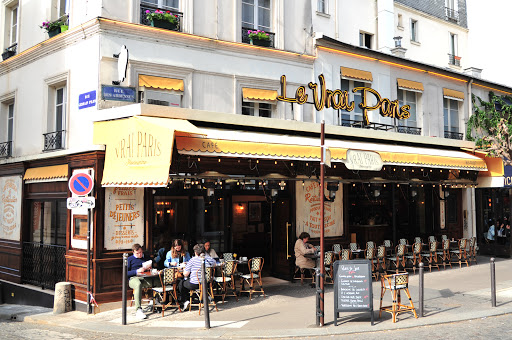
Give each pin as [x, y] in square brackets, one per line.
[191, 271]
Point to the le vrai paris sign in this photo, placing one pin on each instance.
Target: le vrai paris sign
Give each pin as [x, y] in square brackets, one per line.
[338, 99]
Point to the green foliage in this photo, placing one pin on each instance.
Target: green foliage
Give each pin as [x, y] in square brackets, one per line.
[489, 125]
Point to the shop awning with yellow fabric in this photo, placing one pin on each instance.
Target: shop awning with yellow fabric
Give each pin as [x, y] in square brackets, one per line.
[409, 85]
[161, 83]
[259, 94]
[260, 145]
[453, 94]
[355, 74]
[139, 149]
[46, 174]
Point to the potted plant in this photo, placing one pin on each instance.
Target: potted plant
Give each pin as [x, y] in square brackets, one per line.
[259, 38]
[53, 28]
[161, 19]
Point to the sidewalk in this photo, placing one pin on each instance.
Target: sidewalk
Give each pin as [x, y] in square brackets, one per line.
[289, 309]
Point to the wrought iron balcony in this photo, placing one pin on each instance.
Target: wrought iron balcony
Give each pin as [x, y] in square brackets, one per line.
[6, 149]
[144, 20]
[453, 135]
[245, 38]
[453, 60]
[53, 140]
[381, 127]
[452, 15]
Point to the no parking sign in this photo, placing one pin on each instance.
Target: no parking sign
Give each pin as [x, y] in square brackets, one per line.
[81, 184]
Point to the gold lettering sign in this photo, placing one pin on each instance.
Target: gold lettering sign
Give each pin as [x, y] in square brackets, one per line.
[338, 99]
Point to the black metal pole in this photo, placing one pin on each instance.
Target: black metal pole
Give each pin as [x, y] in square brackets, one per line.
[125, 273]
[205, 295]
[493, 282]
[421, 275]
[393, 205]
[322, 181]
[317, 290]
[88, 261]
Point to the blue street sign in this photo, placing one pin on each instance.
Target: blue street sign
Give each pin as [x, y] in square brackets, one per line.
[508, 176]
[125, 94]
[86, 100]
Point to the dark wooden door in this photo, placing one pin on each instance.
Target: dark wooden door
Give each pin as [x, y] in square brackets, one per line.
[453, 211]
[283, 232]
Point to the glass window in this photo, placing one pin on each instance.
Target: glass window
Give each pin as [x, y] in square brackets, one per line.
[365, 40]
[60, 108]
[13, 36]
[408, 98]
[63, 7]
[10, 122]
[48, 222]
[170, 4]
[414, 30]
[451, 115]
[322, 6]
[357, 113]
[256, 14]
[257, 109]
[400, 20]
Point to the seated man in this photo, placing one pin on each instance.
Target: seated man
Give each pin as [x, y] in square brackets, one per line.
[135, 266]
[190, 273]
[208, 250]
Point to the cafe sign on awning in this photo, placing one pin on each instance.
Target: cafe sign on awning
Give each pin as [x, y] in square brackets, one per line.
[363, 160]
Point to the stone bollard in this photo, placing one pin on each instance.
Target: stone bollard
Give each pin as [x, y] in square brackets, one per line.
[62, 298]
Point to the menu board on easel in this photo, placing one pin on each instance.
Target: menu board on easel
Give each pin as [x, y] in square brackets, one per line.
[352, 287]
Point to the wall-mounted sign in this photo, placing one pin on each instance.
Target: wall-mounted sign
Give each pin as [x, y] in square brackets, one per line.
[120, 93]
[81, 184]
[363, 160]
[508, 176]
[124, 217]
[86, 100]
[338, 99]
[122, 65]
[10, 207]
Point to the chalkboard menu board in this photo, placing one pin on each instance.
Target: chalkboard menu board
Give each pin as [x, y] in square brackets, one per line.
[352, 287]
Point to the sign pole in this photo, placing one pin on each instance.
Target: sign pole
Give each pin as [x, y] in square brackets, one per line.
[322, 180]
[88, 261]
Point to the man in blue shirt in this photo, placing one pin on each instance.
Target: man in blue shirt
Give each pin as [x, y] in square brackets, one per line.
[137, 283]
[191, 272]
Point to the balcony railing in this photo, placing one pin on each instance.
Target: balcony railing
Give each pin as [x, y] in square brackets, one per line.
[5, 149]
[144, 20]
[453, 60]
[453, 135]
[9, 51]
[245, 36]
[43, 264]
[53, 140]
[382, 127]
[452, 15]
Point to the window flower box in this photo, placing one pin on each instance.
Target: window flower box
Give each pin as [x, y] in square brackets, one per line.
[259, 38]
[161, 19]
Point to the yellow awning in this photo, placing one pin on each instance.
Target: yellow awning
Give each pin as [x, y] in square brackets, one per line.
[254, 145]
[409, 85]
[259, 94]
[457, 95]
[161, 83]
[352, 73]
[47, 173]
[139, 149]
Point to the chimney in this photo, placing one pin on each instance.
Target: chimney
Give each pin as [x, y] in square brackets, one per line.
[398, 51]
[473, 72]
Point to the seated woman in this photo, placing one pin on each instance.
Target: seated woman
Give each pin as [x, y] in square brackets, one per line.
[208, 250]
[302, 247]
[176, 255]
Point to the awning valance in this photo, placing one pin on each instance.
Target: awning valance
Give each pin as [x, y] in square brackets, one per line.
[354, 74]
[258, 145]
[46, 174]
[453, 94]
[494, 176]
[259, 94]
[139, 149]
[409, 85]
[161, 83]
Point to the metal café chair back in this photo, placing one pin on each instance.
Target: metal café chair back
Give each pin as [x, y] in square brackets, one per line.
[395, 283]
[354, 246]
[226, 282]
[460, 253]
[204, 290]
[255, 267]
[167, 289]
[227, 256]
[345, 255]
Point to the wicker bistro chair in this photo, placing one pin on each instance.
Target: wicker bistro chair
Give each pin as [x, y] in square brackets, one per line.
[414, 258]
[354, 246]
[369, 254]
[328, 265]
[370, 244]
[300, 274]
[444, 253]
[336, 248]
[226, 282]
[201, 290]
[398, 259]
[460, 254]
[345, 255]
[167, 290]
[473, 249]
[403, 241]
[395, 283]
[381, 258]
[255, 266]
[431, 255]
[431, 239]
[227, 256]
[418, 239]
[444, 237]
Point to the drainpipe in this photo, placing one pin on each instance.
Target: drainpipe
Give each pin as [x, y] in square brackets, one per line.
[471, 218]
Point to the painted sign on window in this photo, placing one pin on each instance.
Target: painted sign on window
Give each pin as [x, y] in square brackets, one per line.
[124, 217]
[10, 207]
